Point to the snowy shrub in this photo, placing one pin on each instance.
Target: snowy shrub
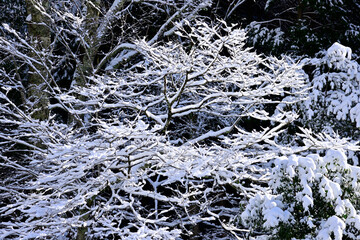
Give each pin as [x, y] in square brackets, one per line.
[311, 197]
[126, 180]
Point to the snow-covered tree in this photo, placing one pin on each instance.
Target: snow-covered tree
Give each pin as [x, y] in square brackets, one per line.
[130, 171]
[333, 103]
[202, 88]
[141, 120]
[67, 42]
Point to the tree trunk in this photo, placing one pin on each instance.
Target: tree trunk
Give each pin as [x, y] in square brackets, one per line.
[40, 38]
[300, 9]
[85, 66]
[81, 231]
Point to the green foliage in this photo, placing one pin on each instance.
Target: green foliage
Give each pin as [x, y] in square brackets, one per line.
[300, 27]
[311, 197]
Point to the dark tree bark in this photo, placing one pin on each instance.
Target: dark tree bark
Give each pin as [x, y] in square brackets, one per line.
[39, 34]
